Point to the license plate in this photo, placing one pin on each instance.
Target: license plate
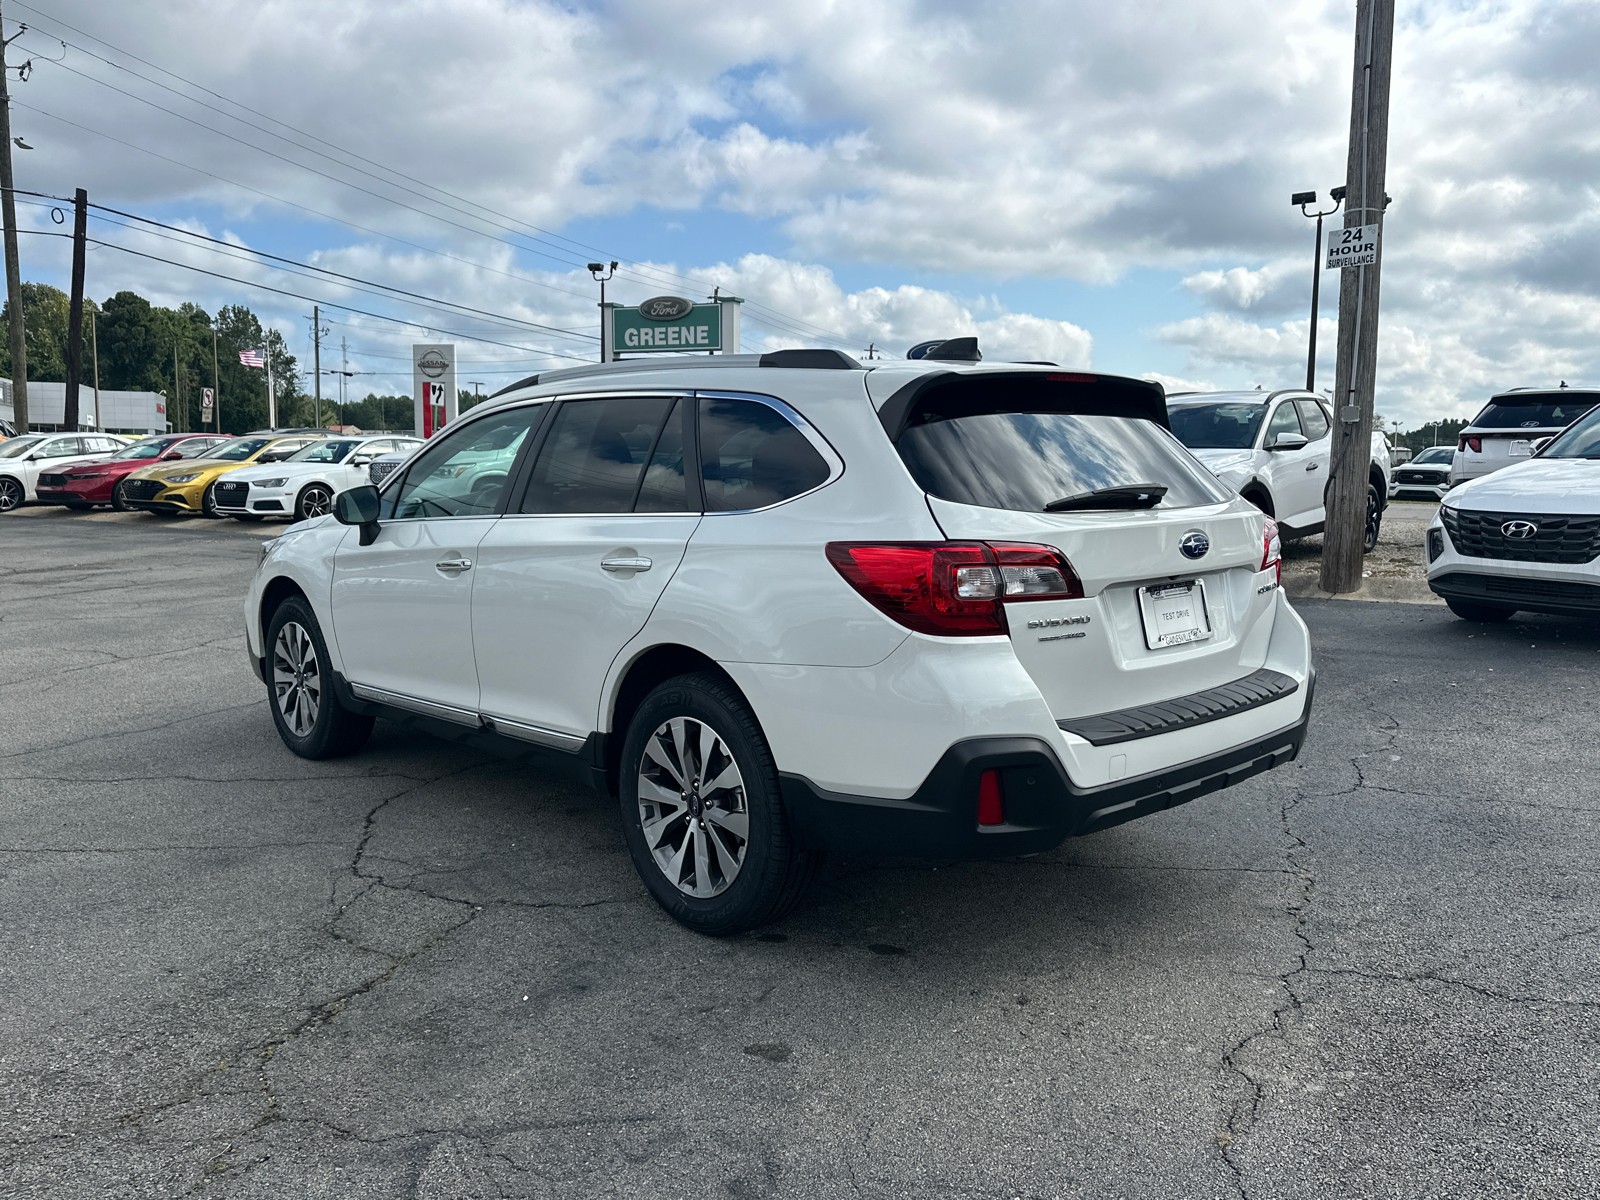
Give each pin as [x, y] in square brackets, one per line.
[1174, 614]
[1521, 448]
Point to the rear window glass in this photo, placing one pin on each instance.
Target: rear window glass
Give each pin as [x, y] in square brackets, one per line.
[1024, 461]
[1216, 426]
[751, 456]
[1533, 412]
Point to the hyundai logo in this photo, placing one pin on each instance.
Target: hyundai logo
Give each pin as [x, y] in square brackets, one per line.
[1194, 544]
[1521, 530]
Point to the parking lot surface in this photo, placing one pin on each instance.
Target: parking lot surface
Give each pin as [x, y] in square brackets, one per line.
[225, 971]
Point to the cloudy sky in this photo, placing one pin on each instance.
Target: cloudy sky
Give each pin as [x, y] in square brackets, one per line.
[1103, 185]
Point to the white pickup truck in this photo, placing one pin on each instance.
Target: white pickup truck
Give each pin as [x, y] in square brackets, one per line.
[1272, 448]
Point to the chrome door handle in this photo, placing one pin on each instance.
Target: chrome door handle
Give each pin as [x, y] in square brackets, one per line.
[624, 564]
[453, 564]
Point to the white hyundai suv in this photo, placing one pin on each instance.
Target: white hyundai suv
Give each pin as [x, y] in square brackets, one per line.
[1525, 538]
[789, 603]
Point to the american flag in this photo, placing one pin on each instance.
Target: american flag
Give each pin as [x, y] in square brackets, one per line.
[251, 358]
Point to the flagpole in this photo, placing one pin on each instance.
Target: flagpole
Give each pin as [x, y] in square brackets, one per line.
[272, 393]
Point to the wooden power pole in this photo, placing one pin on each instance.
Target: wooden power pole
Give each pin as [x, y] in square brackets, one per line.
[8, 210]
[80, 219]
[1356, 374]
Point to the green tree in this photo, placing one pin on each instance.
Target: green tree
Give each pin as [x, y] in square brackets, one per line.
[46, 311]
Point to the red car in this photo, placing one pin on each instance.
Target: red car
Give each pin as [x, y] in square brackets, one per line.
[84, 485]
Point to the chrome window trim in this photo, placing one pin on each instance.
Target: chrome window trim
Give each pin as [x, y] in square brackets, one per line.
[807, 430]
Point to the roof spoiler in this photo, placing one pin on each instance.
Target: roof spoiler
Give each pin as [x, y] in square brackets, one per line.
[946, 394]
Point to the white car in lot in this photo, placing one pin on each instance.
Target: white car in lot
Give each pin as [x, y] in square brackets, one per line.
[23, 458]
[1273, 448]
[789, 603]
[1511, 426]
[303, 485]
[1425, 477]
[1526, 538]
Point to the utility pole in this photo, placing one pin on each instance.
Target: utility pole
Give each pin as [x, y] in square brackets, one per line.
[80, 219]
[8, 210]
[216, 382]
[316, 363]
[1356, 374]
[94, 353]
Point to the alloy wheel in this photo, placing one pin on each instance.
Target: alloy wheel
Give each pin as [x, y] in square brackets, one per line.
[1374, 521]
[296, 678]
[693, 807]
[10, 494]
[315, 502]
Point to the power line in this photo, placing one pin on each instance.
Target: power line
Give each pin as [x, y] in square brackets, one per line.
[782, 322]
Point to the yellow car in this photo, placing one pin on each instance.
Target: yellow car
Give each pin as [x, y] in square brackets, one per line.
[186, 487]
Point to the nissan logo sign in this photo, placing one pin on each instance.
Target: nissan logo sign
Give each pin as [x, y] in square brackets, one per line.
[433, 364]
[1521, 530]
[1194, 544]
[665, 308]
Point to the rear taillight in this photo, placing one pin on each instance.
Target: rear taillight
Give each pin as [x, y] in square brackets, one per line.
[953, 589]
[1272, 550]
[1473, 443]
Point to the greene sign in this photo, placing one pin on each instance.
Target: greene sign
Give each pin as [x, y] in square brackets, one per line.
[667, 323]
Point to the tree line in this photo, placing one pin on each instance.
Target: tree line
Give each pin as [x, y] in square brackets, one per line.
[143, 347]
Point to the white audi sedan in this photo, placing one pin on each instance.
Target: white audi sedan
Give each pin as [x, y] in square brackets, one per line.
[1526, 538]
[23, 458]
[788, 603]
[303, 485]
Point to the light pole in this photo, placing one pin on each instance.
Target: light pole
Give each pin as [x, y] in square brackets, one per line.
[1301, 199]
[595, 269]
[477, 388]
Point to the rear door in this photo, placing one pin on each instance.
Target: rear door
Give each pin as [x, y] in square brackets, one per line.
[1194, 556]
[568, 576]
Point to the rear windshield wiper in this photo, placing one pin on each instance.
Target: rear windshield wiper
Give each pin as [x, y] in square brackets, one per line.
[1124, 495]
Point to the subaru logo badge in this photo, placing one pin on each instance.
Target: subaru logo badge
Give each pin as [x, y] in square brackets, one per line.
[1521, 530]
[1194, 544]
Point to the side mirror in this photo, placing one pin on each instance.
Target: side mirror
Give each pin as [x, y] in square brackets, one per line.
[1540, 443]
[358, 506]
[1289, 441]
[170, 455]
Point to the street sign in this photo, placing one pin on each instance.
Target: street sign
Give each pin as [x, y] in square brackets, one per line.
[433, 387]
[206, 396]
[1354, 246]
[681, 326]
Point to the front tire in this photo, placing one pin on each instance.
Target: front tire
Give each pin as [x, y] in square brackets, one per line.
[119, 498]
[1369, 541]
[208, 502]
[307, 712]
[314, 501]
[1485, 613]
[702, 811]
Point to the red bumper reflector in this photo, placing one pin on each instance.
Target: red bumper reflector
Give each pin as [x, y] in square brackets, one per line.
[990, 810]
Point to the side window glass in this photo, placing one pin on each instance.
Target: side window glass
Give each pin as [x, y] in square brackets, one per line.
[465, 471]
[1314, 420]
[60, 447]
[595, 455]
[752, 456]
[1284, 420]
[664, 488]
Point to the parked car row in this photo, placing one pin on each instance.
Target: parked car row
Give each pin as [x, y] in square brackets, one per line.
[282, 473]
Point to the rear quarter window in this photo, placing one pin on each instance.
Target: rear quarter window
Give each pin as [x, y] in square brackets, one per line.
[1024, 461]
[752, 456]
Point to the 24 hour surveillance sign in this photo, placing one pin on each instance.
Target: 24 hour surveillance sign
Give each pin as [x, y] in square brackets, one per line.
[1355, 246]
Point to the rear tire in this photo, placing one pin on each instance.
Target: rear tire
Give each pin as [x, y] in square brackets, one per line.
[723, 862]
[11, 494]
[1369, 541]
[1486, 613]
[305, 707]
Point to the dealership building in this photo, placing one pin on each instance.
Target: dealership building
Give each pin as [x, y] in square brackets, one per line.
[120, 412]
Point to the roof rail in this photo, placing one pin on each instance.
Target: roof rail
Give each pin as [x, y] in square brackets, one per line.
[809, 359]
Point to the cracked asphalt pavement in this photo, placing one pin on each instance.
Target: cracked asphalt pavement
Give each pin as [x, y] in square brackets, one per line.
[419, 972]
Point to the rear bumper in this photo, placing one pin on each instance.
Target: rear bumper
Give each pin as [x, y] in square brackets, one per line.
[1042, 805]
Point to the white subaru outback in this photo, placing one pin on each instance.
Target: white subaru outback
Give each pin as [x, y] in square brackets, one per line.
[789, 603]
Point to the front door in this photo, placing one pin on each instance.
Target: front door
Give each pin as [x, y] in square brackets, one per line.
[571, 573]
[1296, 476]
[402, 605]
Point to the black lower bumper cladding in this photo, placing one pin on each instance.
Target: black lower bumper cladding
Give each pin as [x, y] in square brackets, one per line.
[1043, 807]
[1558, 597]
